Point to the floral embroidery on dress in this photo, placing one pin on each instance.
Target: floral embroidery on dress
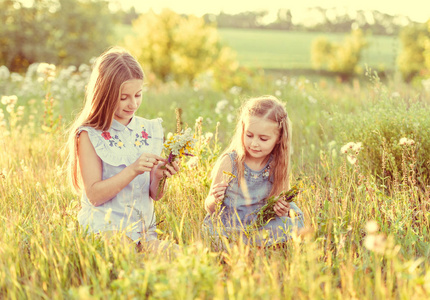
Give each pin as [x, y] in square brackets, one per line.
[255, 175]
[142, 138]
[113, 141]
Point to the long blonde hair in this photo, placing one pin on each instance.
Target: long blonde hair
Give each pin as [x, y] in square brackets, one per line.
[270, 108]
[110, 71]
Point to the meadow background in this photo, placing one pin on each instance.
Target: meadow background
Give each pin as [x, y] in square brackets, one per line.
[366, 208]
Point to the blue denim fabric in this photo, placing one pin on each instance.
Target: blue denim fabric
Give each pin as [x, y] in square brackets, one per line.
[239, 208]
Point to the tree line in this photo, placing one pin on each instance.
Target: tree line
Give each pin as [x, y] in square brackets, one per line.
[179, 47]
[324, 20]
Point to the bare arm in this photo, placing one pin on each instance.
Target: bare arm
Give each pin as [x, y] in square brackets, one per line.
[100, 191]
[218, 186]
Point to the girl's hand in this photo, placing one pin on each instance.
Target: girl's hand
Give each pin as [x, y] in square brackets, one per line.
[165, 169]
[281, 208]
[218, 191]
[146, 162]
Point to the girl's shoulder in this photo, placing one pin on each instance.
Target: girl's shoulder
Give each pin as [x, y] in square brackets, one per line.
[152, 123]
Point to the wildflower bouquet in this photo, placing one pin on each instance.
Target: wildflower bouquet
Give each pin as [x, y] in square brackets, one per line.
[266, 213]
[177, 145]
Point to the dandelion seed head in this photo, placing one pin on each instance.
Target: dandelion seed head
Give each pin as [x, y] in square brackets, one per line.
[372, 226]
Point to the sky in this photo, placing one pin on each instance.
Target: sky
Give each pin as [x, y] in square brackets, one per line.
[416, 10]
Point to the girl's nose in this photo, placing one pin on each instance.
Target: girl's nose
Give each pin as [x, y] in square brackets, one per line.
[133, 103]
[254, 143]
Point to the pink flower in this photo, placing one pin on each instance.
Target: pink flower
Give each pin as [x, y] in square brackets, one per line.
[106, 135]
[145, 135]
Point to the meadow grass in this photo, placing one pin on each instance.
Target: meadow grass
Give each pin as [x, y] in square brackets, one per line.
[362, 241]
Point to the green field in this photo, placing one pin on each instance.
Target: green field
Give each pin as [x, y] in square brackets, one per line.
[274, 49]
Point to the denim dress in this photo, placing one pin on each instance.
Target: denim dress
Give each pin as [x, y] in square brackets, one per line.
[237, 213]
[131, 210]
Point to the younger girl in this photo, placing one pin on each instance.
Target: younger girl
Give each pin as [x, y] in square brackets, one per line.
[259, 159]
[114, 155]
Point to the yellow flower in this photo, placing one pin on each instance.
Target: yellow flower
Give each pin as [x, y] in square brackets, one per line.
[120, 144]
[137, 143]
[227, 176]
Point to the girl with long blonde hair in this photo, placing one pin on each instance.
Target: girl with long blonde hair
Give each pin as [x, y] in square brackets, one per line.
[257, 162]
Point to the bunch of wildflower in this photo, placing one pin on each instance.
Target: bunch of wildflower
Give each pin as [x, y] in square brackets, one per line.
[267, 213]
[351, 150]
[406, 142]
[178, 145]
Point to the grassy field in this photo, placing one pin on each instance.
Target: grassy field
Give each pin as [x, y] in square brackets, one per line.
[367, 233]
[274, 49]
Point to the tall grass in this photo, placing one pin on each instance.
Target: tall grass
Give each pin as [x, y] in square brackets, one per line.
[361, 241]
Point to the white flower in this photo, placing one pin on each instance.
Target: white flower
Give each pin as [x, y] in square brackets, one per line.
[6, 100]
[375, 242]
[426, 84]
[209, 136]
[352, 159]
[47, 71]
[230, 118]
[371, 226]
[20, 110]
[405, 141]
[199, 120]
[346, 147]
[10, 108]
[235, 90]
[351, 147]
[395, 95]
[312, 99]
[4, 72]
[193, 162]
[278, 93]
[357, 147]
[220, 106]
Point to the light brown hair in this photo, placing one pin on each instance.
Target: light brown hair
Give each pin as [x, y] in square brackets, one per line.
[270, 108]
[110, 71]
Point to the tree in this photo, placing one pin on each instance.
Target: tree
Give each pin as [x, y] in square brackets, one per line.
[341, 58]
[415, 56]
[174, 47]
[53, 31]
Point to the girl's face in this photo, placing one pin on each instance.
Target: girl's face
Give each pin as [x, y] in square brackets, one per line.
[260, 136]
[130, 100]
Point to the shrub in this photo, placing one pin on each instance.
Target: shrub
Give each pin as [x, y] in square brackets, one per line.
[380, 127]
[340, 58]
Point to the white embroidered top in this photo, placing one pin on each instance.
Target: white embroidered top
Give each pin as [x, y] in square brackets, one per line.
[131, 209]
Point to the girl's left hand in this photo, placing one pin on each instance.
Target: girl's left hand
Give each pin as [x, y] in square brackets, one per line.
[281, 208]
[165, 169]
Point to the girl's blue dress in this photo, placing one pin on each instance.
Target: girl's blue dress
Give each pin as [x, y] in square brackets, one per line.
[238, 211]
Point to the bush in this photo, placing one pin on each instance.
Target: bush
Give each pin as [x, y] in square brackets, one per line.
[380, 127]
[339, 58]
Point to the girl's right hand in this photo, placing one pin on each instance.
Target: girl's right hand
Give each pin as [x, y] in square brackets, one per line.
[146, 162]
[218, 191]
